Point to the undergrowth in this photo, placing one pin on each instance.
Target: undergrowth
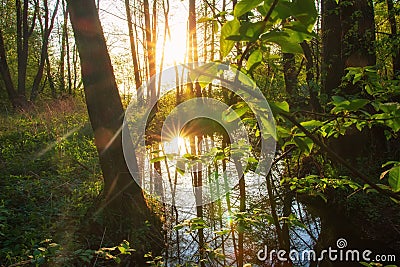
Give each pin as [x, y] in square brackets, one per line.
[49, 177]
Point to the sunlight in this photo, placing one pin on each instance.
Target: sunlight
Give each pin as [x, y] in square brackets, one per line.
[175, 45]
[175, 48]
[179, 144]
[175, 146]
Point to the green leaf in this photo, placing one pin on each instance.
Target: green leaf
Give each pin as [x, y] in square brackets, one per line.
[311, 124]
[229, 28]
[279, 107]
[268, 128]
[205, 74]
[245, 6]
[204, 19]
[222, 232]
[306, 13]
[250, 31]
[254, 58]
[283, 10]
[157, 159]
[178, 227]
[122, 249]
[390, 163]
[394, 178]
[305, 144]
[117, 260]
[180, 171]
[287, 43]
[348, 105]
[235, 112]
[356, 104]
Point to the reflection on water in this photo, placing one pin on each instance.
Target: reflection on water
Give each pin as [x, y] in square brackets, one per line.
[180, 164]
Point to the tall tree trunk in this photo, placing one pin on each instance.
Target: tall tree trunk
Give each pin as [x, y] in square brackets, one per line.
[358, 33]
[198, 183]
[123, 201]
[290, 74]
[48, 27]
[67, 50]
[394, 37]
[23, 34]
[332, 67]
[63, 52]
[150, 44]
[50, 77]
[193, 55]
[5, 73]
[138, 82]
[311, 84]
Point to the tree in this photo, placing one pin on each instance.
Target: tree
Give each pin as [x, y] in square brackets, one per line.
[123, 200]
[352, 22]
[46, 31]
[5, 73]
[138, 82]
[151, 41]
[24, 30]
[332, 65]
[393, 36]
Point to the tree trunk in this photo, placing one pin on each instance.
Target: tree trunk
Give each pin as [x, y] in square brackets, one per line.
[358, 33]
[123, 201]
[138, 82]
[393, 36]
[332, 65]
[50, 77]
[289, 71]
[45, 43]
[311, 84]
[62, 53]
[23, 34]
[193, 56]
[5, 73]
[150, 44]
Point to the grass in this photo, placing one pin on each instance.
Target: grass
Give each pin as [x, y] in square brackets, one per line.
[49, 177]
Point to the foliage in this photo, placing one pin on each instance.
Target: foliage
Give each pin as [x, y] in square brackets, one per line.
[50, 176]
[261, 23]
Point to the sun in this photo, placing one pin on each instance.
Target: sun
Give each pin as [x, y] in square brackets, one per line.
[179, 142]
[177, 145]
[176, 44]
[175, 47]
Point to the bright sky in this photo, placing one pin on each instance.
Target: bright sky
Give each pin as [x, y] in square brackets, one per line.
[113, 18]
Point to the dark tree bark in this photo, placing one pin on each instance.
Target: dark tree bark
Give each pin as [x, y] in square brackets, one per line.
[393, 36]
[123, 202]
[50, 77]
[67, 50]
[5, 73]
[64, 40]
[332, 65]
[138, 82]
[23, 34]
[314, 102]
[348, 36]
[150, 45]
[46, 31]
[290, 73]
[358, 33]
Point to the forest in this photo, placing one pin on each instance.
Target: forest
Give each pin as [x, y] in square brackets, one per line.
[200, 133]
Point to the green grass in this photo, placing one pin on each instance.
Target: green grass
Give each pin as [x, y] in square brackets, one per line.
[49, 177]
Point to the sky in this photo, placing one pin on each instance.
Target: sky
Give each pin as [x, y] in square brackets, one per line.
[113, 19]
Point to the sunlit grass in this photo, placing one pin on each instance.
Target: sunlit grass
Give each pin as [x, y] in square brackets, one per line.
[49, 174]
